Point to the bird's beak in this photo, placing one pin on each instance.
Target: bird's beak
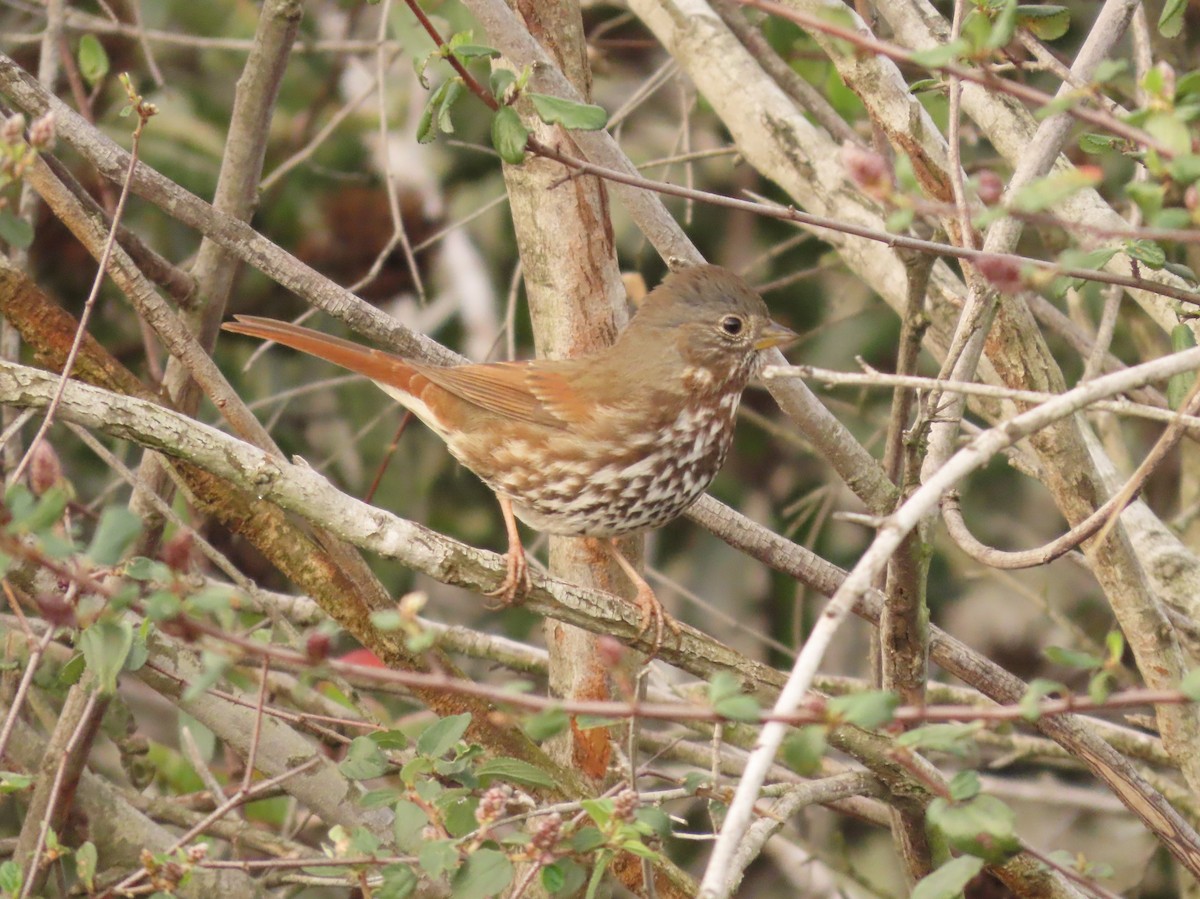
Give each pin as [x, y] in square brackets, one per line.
[775, 334]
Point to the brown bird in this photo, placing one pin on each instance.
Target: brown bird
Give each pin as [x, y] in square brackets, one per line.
[603, 445]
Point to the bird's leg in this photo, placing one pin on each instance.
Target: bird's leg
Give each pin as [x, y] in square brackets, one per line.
[652, 610]
[516, 580]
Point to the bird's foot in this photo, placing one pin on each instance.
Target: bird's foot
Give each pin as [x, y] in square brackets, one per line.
[516, 581]
[655, 618]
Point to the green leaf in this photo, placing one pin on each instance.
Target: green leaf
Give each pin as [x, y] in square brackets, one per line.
[514, 770]
[106, 645]
[872, 709]
[982, 826]
[10, 878]
[440, 737]
[364, 760]
[587, 839]
[936, 57]
[438, 857]
[1038, 689]
[214, 669]
[804, 748]
[1100, 686]
[723, 685]
[1170, 130]
[408, 825]
[948, 881]
[458, 815]
[115, 533]
[956, 739]
[964, 785]
[387, 620]
[572, 874]
[14, 231]
[553, 878]
[1004, 26]
[1149, 197]
[499, 82]
[925, 84]
[1190, 685]
[1170, 22]
[486, 873]
[1043, 193]
[1179, 270]
[31, 516]
[399, 882]
[599, 810]
[431, 115]
[590, 722]
[85, 865]
[1072, 658]
[1098, 143]
[13, 782]
[1109, 69]
[1046, 22]
[568, 113]
[1180, 385]
[1185, 168]
[656, 819]
[1146, 252]
[593, 887]
[739, 708]
[547, 724]
[509, 135]
[476, 51]
[93, 61]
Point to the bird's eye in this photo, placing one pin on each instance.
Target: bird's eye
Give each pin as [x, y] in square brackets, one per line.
[732, 325]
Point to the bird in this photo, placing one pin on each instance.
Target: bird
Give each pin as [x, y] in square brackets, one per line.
[612, 443]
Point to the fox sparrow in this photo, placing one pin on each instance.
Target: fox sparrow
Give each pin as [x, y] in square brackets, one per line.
[604, 445]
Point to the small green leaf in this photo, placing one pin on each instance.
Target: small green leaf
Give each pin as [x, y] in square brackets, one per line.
[1169, 129]
[943, 54]
[438, 857]
[804, 748]
[568, 113]
[900, 220]
[948, 881]
[1179, 270]
[486, 873]
[1146, 252]
[591, 722]
[1110, 69]
[1038, 689]
[955, 739]
[408, 825]
[387, 620]
[1180, 385]
[440, 737]
[547, 724]
[433, 113]
[1004, 26]
[1072, 658]
[85, 865]
[1149, 197]
[13, 782]
[476, 51]
[553, 878]
[1043, 193]
[872, 709]
[739, 708]
[1100, 686]
[364, 760]
[1185, 168]
[399, 882]
[964, 785]
[514, 770]
[599, 810]
[458, 815]
[509, 135]
[1098, 143]
[14, 231]
[1046, 22]
[115, 533]
[1170, 22]
[570, 875]
[106, 645]
[93, 61]
[587, 839]
[983, 826]
[499, 82]
[10, 878]
[658, 821]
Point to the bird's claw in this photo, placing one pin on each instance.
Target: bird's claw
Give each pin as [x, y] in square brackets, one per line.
[656, 617]
[516, 581]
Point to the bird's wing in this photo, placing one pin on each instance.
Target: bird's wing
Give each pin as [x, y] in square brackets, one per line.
[526, 391]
